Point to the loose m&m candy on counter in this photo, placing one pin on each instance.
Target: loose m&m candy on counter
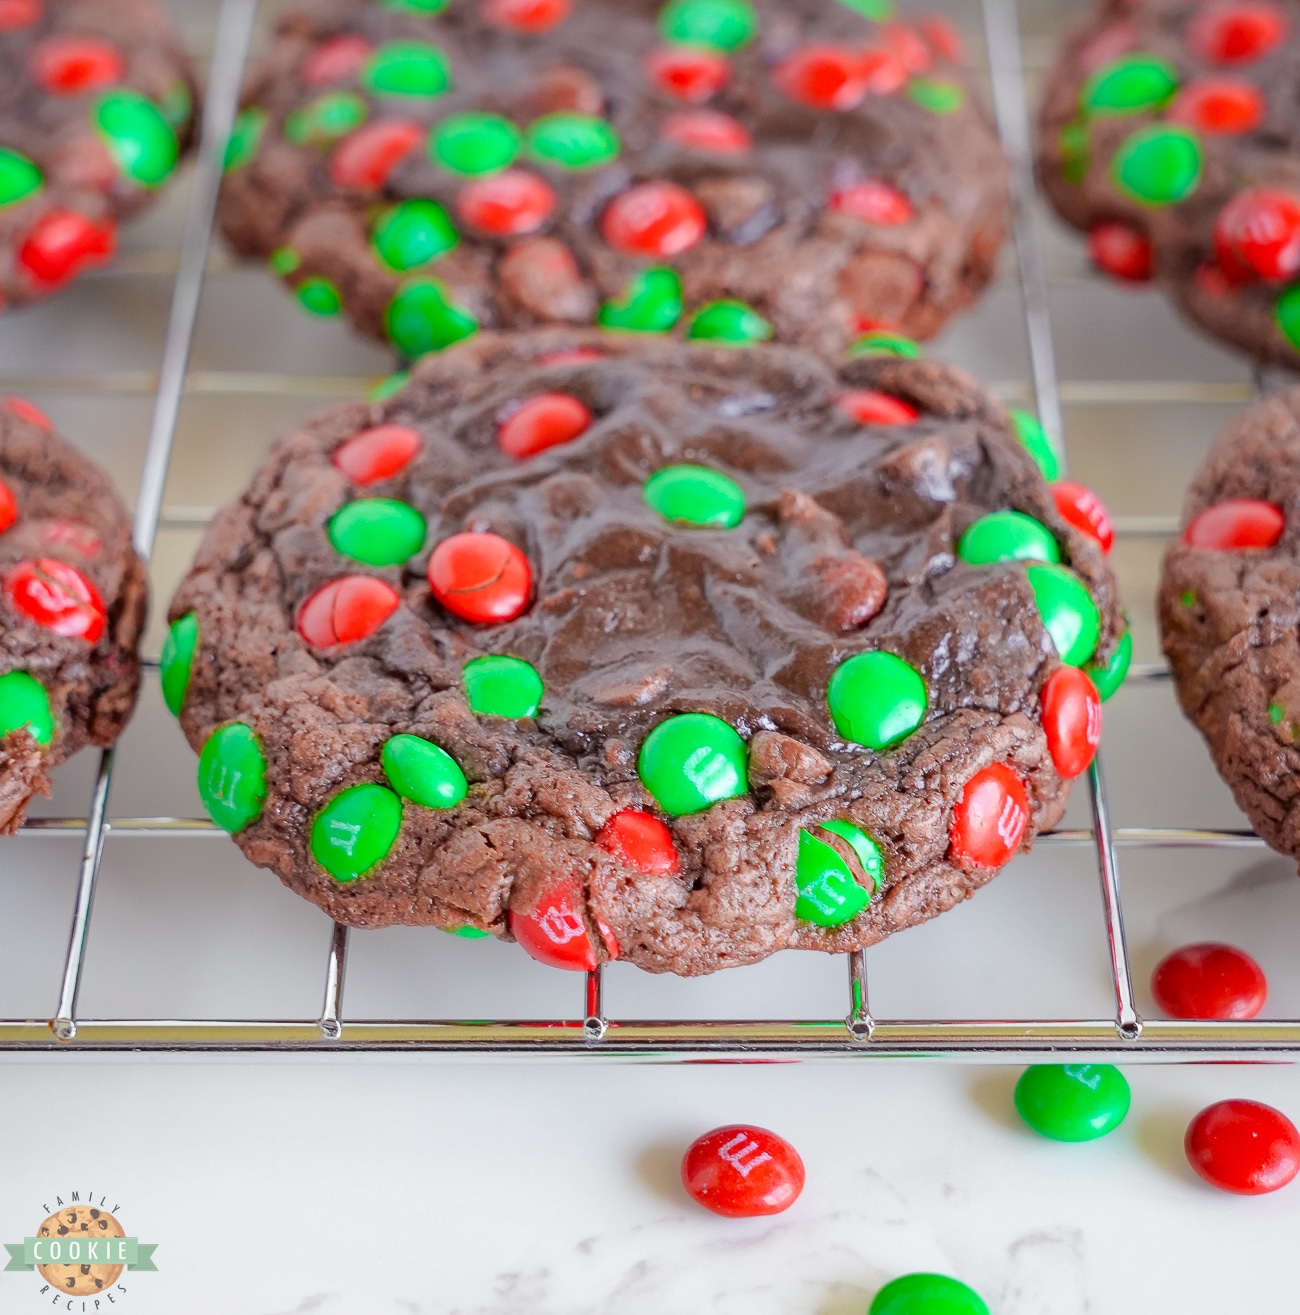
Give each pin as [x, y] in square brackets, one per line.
[741, 1171]
[559, 639]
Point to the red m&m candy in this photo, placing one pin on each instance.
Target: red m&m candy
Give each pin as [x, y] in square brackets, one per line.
[555, 931]
[827, 77]
[639, 841]
[1071, 720]
[481, 578]
[741, 1171]
[8, 507]
[654, 219]
[1209, 980]
[346, 611]
[871, 408]
[689, 75]
[1085, 511]
[1244, 1147]
[507, 204]
[364, 159]
[1236, 523]
[1230, 33]
[526, 15]
[546, 420]
[26, 410]
[912, 52]
[707, 130]
[1218, 107]
[67, 66]
[378, 453]
[58, 597]
[1257, 234]
[336, 60]
[16, 14]
[874, 201]
[1121, 251]
[990, 818]
[63, 243]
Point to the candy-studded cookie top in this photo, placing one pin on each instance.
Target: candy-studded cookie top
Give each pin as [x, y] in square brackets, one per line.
[96, 105]
[435, 664]
[1169, 133]
[728, 168]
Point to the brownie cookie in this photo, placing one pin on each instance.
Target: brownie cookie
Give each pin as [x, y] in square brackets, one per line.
[1170, 134]
[96, 105]
[72, 604]
[81, 1224]
[1230, 613]
[632, 648]
[730, 168]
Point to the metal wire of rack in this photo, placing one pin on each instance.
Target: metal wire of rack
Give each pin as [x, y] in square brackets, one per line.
[1124, 1034]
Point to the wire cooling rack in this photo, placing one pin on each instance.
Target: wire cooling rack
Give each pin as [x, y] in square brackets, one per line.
[589, 1031]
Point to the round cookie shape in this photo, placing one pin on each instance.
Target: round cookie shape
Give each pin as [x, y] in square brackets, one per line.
[801, 169]
[98, 109]
[73, 1227]
[670, 715]
[72, 603]
[1225, 590]
[1167, 136]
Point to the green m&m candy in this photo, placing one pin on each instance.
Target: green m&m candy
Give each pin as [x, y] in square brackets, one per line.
[729, 321]
[651, 304]
[356, 831]
[693, 761]
[407, 68]
[1007, 536]
[325, 119]
[1033, 438]
[927, 1294]
[232, 777]
[1109, 678]
[245, 137]
[412, 233]
[24, 705]
[138, 138]
[826, 891]
[1075, 150]
[1159, 165]
[880, 343]
[474, 143]
[1286, 315]
[422, 772]
[389, 386]
[178, 661]
[20, 177]
[468, 933]
[937, 95]
[879, 11]
[319, 296]
[414, 6]
[869, 853]
[573, 141]
[420, 319]
[1072, 1102]
[1130, 85]
[377, 531]
[284, 261]
[710, 24]
[1069, 614]
[877, 699]
[500, 686]
[696, 495]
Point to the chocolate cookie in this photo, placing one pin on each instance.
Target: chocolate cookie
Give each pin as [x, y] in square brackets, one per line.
[72, 603]
[1170, 134]
[1230, 614]
[672, 652]
[81, 1224]
[96, 105]
[732, 168]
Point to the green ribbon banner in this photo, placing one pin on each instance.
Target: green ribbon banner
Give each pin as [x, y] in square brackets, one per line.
[128, 1251]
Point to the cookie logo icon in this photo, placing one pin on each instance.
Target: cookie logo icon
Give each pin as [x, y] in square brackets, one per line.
[81, 1252]
[81, 1225]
